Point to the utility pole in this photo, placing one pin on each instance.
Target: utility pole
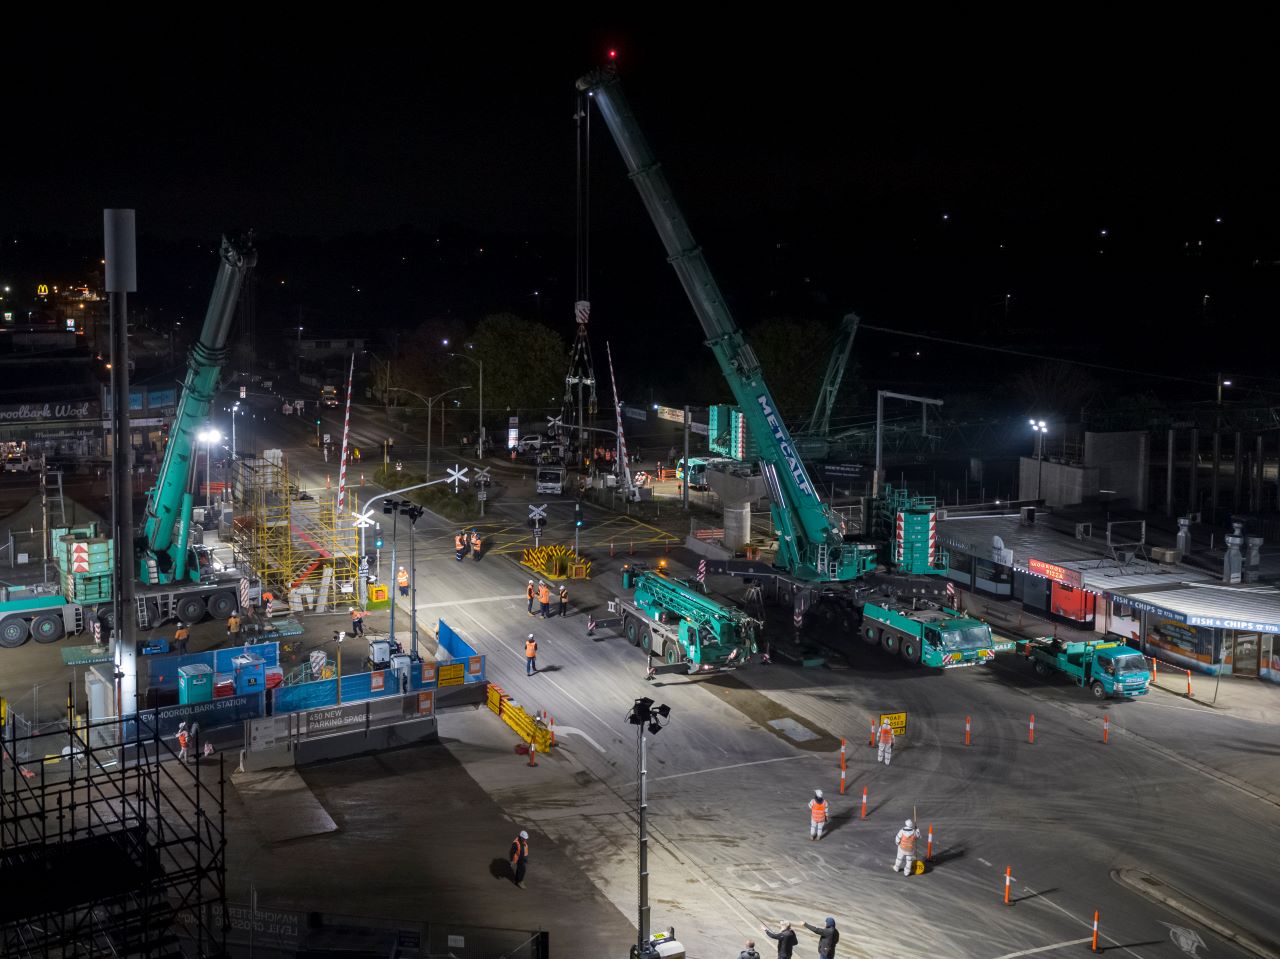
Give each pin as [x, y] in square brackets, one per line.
[881, 395]
[684, 487]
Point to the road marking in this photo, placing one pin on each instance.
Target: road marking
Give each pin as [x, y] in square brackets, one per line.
[562, 730]
[984, 862]
[1056, 945]
[716, 769]
[472, 602]
[1084, 922]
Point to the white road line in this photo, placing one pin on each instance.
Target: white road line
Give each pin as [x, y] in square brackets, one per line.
[1084, 922]
[716, 769]
[471, 602]
[562, 730]
[984, 862]
[1056, 945]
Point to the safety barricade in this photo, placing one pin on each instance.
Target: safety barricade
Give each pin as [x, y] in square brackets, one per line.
[529, 729]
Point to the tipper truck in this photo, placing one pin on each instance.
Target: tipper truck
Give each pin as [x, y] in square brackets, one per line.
[676, 621]
[1104, 666]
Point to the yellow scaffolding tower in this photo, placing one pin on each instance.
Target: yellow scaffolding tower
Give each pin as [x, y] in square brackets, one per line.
[301, 548]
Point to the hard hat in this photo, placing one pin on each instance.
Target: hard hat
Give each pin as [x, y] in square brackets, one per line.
[182, 725]
[530, 582]
[523, 834]
[818, 793]
[531, 635]
[909, 824]
[887, 723]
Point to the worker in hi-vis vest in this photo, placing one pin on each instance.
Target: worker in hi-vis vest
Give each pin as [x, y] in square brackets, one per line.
[817, 815]
[905, 844]
[885, 737]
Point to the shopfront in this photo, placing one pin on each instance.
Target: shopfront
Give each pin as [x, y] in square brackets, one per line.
[56, 428]
[1055, 592]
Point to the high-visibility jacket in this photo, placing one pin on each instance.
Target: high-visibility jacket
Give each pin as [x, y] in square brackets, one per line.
[519, 850]
[459, 542]
[530, 648]
[886, 735]
[182, 738]
[357, 615]
[475, 541]
[907, 841]
[181, 633]
[818, 810]
[267, 597]
[233, 623]
[544, 593]
[528, 591]
[402, 578]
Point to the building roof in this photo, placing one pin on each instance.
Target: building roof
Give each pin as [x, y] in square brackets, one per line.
[1106, 575]
[1252, 608]
[974, 535]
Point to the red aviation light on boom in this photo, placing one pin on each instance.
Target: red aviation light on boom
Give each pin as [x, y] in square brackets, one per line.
[613, 54]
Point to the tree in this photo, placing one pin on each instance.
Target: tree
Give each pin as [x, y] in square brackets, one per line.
[524, 363]
[1055, 389]
[791, 356]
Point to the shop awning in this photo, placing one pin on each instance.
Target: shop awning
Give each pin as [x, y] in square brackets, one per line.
[1246, 608]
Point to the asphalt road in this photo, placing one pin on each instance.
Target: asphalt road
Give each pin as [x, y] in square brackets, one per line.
[1174, 793]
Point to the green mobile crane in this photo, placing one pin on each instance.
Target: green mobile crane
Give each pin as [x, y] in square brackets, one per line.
[817, 561]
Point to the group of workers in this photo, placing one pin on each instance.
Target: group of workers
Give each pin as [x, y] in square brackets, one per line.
[542, 592]
[461, 540]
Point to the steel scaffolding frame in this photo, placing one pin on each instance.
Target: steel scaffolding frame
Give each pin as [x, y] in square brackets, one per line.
[110, 846]
[293, 543]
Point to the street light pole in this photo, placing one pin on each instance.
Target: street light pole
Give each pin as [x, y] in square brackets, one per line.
[1039, 427]
[480, 366]
[430, 402]
[644, 715]
[208, 436]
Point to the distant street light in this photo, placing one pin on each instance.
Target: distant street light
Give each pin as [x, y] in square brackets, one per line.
[1040, 428]
[208, 436]
[1222, 381]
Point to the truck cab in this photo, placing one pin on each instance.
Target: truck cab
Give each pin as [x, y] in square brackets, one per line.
[1105, 667]
[550, 479]
[329, 395]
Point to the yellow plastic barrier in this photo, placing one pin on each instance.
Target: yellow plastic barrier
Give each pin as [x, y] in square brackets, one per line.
[378, 593]
[514, 715]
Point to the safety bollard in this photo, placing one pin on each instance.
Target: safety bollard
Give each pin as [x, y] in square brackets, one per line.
[842, 774]
[1094, 945]
[928, 850]
[966, 730]
[864, 802]
[552, 726]
[1155, 672]
[842, 761]
[871, 736]
[1008, 875]
[1031, 729]
[1106, 728]
[361, 479]
[533, 752]
[1188, 684]
[610, 549]
[631, 549]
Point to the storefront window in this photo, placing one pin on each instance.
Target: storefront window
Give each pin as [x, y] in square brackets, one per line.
[992, 578]
[1178, 643]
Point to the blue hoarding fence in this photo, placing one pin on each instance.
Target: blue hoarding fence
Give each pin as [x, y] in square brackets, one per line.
[227, 711]
[163, 670]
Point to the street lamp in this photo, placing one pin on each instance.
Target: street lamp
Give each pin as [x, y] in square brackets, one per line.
[1222, 381]
[235, 411]
[1039, 427]
[479, 365]
[644, 715]
[208, 436]
[430, 401]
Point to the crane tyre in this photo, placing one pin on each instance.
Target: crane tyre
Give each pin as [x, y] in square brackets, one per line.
[672, 653]
[910, 650]
[870, 635]
[1042, 669]
[13, 632]
[222, 605]
[889, 642]
[646, 639]
[631, 629]
[47, 628]
[190, 609]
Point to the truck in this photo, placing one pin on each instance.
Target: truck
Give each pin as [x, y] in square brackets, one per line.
[819, 566]
[926, 633]
[171, 586]
[329, 396]
[676, 621]
[550, 479]
[1105, 666]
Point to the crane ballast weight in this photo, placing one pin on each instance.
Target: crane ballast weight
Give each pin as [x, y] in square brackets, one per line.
[811, 542]
[163, 557]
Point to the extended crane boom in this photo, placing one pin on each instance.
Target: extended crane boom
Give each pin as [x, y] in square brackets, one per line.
[162, 559]
[810, 540]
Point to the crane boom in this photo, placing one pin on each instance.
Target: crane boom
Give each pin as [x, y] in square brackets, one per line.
[810, 539]
[168, 502]
[820, 421]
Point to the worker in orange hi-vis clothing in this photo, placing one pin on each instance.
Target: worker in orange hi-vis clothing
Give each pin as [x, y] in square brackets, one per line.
[817, 815]
[529, 593]
[885, 737]
[905, 844]
[544, 598]
[402, 580]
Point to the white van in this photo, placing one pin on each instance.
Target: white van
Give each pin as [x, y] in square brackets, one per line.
[551, 480]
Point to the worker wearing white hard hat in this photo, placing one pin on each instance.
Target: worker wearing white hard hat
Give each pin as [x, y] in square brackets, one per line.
[884, 741]
[904, 843]
[818, 815]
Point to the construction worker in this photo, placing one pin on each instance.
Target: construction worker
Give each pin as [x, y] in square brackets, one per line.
[905, 844]
[564, 600]
[233, 627]
[884, 752]
[817, 815]
[267, 599]
[180, 637]
[750, 951]
[520, 857]
[357, 621]
[459, 545]
[828, 936]
[475, 545]
[544, 598]
[402, 580]
[786, 938]
[530, 655]
[528, 591]
[183, 740]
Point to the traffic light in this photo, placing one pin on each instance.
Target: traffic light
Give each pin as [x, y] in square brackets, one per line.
[317, 421]
[577, 514]
[388, 506]
[377, 543]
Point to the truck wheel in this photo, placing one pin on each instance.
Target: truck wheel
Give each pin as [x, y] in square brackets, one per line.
[911, 650]
[190, 609]
[1098, 690]
[222, 605]
[13, 632]
[631, 629]
[1042, 669]
[889, 641]
[672, 653]
[870, 636]
[646, 639]
[47, 628]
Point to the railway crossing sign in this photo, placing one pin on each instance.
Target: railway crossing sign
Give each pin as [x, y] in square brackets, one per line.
[554, 424]
[482, 476]
[538, 514]
[457, 476]
[363, 520]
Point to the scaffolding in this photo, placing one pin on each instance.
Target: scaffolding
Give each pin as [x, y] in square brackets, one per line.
[304, 550]
[109, 844]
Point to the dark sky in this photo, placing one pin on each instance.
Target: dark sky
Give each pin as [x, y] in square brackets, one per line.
[915, 171]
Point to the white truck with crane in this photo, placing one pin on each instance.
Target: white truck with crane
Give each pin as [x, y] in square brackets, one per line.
[171, 587]
[817, 564]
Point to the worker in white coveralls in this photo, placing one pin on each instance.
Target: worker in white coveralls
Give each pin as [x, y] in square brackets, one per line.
[817, 815]
[884, 740]
[905, 844]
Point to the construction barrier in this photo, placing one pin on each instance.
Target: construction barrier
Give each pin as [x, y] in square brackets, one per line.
[514, 715]
[555, 562]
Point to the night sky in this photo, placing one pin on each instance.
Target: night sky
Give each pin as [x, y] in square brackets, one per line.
[915, 176]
